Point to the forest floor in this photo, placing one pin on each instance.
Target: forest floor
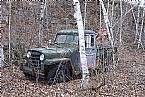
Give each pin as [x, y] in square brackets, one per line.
[127, 79]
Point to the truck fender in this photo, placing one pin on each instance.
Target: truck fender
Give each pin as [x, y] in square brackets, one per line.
[55, 60]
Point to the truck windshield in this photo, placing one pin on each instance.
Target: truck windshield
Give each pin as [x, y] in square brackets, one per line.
[61, 38]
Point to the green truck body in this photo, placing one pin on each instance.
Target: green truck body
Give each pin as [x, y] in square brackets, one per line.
[61, 58]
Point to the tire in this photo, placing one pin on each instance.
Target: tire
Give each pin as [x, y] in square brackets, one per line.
[26, 75]
[51, 75]
[64, 74]
[29, 76]
[58, 73]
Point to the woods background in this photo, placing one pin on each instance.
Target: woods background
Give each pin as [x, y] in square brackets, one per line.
[25, 21]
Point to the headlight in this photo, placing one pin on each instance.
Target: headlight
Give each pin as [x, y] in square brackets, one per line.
[42, 57]
[28, 54]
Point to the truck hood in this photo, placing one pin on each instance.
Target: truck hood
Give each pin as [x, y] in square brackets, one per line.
[55, 51]
[55, 48]
[51, 50]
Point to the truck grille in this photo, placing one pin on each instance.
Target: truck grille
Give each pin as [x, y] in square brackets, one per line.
[35, 57]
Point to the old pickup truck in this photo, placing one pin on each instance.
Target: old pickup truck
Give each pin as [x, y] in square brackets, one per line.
[60, 60]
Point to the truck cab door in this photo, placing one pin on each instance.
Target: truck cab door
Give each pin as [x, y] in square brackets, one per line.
[90, 50]
[90, 54]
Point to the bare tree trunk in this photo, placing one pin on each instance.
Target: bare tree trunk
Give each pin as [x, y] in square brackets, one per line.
[100, 16]
[85, 13]
[137, 24]
[10, 32]
[83, 59]
[112, 13]
[141, 30]
[107, 22]
[41, 21]
[121, 21]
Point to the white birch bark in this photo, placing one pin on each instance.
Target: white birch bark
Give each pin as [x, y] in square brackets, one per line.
[136, 24]
[107, 23]
[121, 21]
[109, 28]
[108, 5]
[85, 14]
[112, 13]
[142, 23]
[1, 56]
[42, 12]
[10, 32]
[83, 60]
[100, 16]
[123, 16]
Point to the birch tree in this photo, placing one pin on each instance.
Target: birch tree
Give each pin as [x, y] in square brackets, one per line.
[41, 20]
[10, 32]
[108, 25]
[121, 22]
[83, 59]
[142, 23]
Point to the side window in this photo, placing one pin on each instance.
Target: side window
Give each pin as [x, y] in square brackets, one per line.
[89, 41]
[69, 38]
[92, 41]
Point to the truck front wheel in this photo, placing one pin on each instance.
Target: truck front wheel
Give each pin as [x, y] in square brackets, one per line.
[59, 73]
